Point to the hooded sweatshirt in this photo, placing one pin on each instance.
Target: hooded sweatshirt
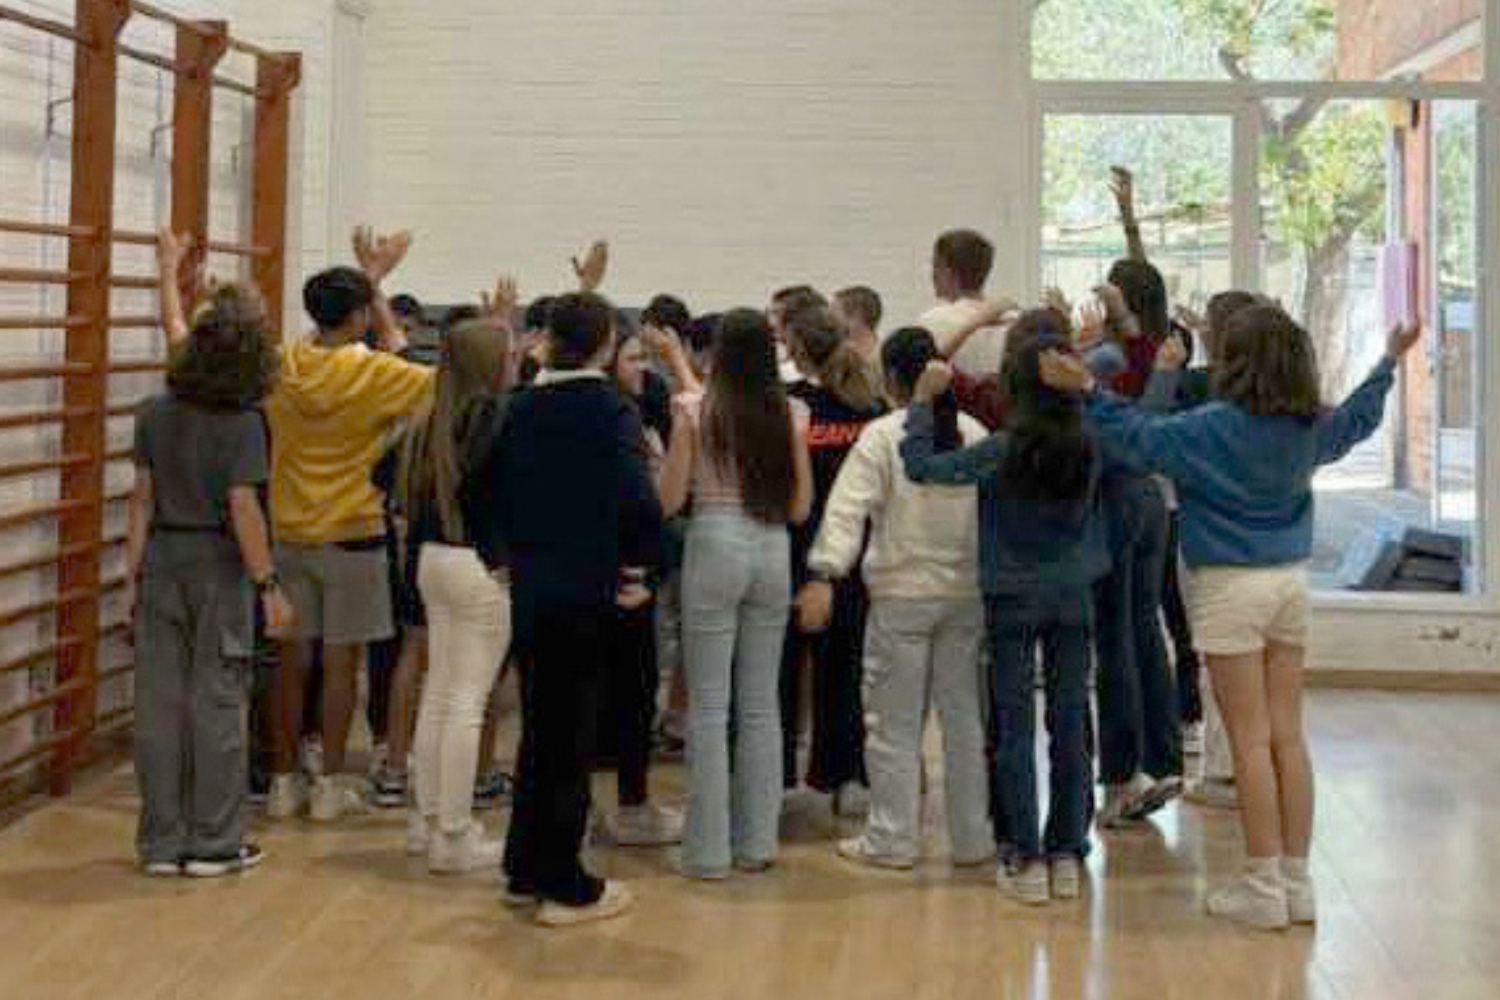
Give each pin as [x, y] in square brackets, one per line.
[330, 416]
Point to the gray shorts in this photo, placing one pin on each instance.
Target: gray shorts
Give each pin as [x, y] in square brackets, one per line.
[341, 593]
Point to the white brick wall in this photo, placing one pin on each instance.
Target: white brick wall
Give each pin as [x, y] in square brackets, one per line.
[726, 148]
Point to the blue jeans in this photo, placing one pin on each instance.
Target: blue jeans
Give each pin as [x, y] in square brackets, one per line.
[736, 594]
[1138, 724]
[1059, 622]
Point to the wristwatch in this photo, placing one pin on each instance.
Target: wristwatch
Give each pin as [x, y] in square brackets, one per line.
[271, 581]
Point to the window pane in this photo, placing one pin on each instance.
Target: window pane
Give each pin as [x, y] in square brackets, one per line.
[1366, 205]
[1284, 40]
[1181, 165]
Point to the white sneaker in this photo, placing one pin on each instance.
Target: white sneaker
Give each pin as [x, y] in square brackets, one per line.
[1301, 894]
[649, 825]
[1025, 883]
[1067, 878]
[615, 901]
[332, 799]
[1192, 739]
[312, 756]
[1123, 800]
[1256, 898]
[418, 833]
[862, 852]
[1213, 793]
[459, 853]
[851, 800]
[1160, 793]
[286, 797]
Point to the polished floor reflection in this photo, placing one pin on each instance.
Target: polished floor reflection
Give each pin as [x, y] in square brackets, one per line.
[1406, 859]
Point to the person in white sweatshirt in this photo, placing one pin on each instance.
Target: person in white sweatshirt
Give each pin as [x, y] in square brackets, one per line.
[926, 623]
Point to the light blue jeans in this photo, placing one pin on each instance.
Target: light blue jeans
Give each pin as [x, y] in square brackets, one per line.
[736, 595]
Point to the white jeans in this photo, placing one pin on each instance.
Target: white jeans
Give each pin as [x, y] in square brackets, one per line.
[468, 627]
[920, 654]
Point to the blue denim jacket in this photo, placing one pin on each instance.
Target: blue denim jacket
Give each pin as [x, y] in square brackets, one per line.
[1025, 545]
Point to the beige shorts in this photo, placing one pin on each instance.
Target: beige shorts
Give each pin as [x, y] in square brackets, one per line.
[1236, 610]
[340, 594]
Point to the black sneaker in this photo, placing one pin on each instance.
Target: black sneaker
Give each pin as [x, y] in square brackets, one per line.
[492, 790]
[249, 856]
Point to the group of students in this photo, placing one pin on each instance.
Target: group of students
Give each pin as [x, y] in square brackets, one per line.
[796, 505]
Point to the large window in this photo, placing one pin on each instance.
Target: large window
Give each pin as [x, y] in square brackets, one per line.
[1329, 155]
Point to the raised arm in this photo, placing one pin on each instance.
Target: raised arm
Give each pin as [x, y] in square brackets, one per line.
[592, 269]
[677, 470]
[379, 256]
[990, 313]
[919, 457]
[1122, 183]
[171, 251]
[1360, 415]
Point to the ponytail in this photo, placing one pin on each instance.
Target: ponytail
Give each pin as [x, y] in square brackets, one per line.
[905, 355]
[816, 336]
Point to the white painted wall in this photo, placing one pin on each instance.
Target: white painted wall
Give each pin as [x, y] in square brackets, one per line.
[725, 148]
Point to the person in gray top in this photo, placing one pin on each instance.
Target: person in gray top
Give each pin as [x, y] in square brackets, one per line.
[197, 546]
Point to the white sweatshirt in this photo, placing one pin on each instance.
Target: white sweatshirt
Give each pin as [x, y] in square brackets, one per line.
[924, 540]
[981, 355]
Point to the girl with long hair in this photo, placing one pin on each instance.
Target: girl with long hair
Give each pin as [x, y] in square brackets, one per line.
[843, 394]
[1244, 465]
[468, 608]
[740, 450]
[1039, 555]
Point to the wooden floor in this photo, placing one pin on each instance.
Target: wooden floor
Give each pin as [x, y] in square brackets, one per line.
[1407, 860]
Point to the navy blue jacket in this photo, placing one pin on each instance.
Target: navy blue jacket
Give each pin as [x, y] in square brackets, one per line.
[1026, 545]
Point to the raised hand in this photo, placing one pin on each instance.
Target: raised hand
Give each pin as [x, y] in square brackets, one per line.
[1054, 299]
[1092, 320]
[1065, 373]
[172, 250]
[814, 606]
[1122, 185]
[1172, 356]
[593, 267]
[1192, 320]
[501, 304]
[378, 256]
[1401, 340]
[935, 380]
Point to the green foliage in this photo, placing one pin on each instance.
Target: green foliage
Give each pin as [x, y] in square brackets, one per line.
[1328, 182]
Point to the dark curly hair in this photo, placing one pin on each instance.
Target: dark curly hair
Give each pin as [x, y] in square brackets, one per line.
[228, 363]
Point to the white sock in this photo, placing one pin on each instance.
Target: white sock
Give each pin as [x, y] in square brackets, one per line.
[1264, 869]
[1295, 869]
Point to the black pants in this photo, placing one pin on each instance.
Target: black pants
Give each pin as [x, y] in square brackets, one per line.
[838, 727]
[629, 707]
[561, 687]
[1138, 723]
[1175, 610]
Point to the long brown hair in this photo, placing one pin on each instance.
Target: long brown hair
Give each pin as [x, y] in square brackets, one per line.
[1267, 365]
[818, 340]
[474, 367]
[747, 420]
[228, 363]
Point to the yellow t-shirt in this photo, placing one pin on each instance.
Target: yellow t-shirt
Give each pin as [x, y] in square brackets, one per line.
[330, 416]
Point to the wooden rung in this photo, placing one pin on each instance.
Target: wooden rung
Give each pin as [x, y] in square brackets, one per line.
[134, 322]
[137, 367]
[40, 322]
[42, 748]
[22, 374]
[124, 409]
[37, 657]
[225, 83]
[124, 281]
[44, 229]
[134, 237]
[51, 559]
[149, 58]
[34, 276]
[43, 513]
[237, 249]
[37, 418]
[43, 465]
[45, 700]
[55, 28]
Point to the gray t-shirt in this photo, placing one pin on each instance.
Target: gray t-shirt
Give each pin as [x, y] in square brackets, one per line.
[195, 457]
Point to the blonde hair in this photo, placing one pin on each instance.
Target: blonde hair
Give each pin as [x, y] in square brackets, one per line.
[817, 339]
